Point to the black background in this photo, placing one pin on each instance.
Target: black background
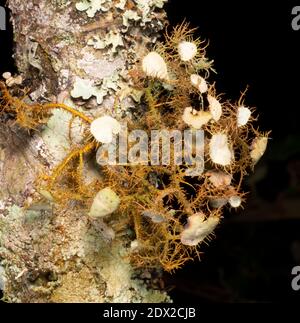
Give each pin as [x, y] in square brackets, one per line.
[252, 43]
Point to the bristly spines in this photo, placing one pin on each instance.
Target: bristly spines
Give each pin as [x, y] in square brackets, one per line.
[158, 203]
[237, 132]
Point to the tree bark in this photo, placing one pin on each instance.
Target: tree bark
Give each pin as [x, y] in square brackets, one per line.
[50, 253]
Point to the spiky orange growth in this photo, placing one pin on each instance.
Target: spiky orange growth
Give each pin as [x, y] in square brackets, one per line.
[31, 116]
[177, 196]
[155, 200]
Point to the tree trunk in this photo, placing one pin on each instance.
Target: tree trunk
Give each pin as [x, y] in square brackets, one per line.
[50, 253]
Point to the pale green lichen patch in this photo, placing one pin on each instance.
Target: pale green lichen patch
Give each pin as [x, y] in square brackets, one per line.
[130, 15]
[111, 82]
[113, 39]
[93, 6]
[14, 213]
[31, 216]
[120, 287]
[85, 89]
[145, 8]
[127, 91]
[96, 42]
[55, 136]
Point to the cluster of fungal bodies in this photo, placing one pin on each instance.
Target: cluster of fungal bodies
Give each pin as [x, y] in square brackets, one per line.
[174, 213]
[168, 210]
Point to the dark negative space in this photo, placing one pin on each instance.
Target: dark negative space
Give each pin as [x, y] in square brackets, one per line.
[252, 44]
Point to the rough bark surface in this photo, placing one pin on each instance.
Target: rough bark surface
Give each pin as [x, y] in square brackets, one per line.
[47, 253]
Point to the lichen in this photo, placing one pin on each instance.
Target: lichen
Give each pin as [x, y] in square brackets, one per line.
[159, 192]
[145, 6]
[85, 88]
[130, 15]
[92, 6]
[55, 137]
[53, 251]
[112, 38]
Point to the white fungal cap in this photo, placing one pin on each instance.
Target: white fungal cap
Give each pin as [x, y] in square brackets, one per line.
[105, 202]
[195, 119]
[219, 150]
[187, 50]
[235, 201]
[6, 75]
[197, 229]
[199, 82]
[18, 80]
[216, 202]
[10, 80]
[154, 216]
[104, 128]
[219, 178]
[215, 107]
[154, 66]
[243, 115]
[259, 146]
[134, 245]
